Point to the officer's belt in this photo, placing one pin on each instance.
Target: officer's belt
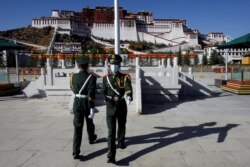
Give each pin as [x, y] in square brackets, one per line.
[81, 96]
[115, 98]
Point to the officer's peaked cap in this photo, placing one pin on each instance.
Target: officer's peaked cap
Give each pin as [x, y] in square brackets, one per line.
[115, 58]
[84, 59]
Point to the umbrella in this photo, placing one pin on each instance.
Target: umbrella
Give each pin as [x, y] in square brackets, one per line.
[241, 42]
[6, 45]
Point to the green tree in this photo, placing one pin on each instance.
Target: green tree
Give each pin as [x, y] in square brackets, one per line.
[32, 62]
[196, 59]
[204, 60]
[216, 58]
[1, 61]
[55, 62]
[72, 61]
[42, 62]
[179, 56]
[93, 60]
[180, 61]
[11, 61]
[186, 60]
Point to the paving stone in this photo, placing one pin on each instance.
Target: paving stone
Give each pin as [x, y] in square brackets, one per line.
[208, 132]
[14, 158]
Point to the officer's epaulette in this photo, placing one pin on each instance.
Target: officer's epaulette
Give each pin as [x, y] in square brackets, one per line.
[128, 76]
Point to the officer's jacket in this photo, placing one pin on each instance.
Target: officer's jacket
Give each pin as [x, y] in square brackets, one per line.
[120, 82]
[76, 82]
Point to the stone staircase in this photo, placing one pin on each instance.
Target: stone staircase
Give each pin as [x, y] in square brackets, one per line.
[157, 90]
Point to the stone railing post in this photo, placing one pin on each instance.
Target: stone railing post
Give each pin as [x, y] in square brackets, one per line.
[137, 68]
[76, 70]
[138, 86]
[49, 73]
[43, 77]
[63, 63]
[163, 62]
[190, 71]
[175, 62]
[159, 63]
[180, 69]
[106, 66]
[168, 62]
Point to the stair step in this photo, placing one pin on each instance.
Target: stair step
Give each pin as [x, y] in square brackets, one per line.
[235, 89]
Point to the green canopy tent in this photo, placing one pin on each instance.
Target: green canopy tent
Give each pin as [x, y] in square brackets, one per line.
[241, 42]
[6, 45]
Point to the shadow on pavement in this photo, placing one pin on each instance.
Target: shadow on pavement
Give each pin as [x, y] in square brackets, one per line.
[161, 99]
[158, 107]
[97, 153]
[94, 154]
[19, 96]
[181, 134]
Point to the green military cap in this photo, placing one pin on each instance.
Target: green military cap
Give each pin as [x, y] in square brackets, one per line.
[115, 58]
[83, 59]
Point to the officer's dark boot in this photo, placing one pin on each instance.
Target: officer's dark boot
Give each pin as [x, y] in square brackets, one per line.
[76, 156]
[92, 141]
[121, 145]
[111, 160]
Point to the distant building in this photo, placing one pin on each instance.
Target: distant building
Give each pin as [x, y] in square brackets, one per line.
[216, 37]
[235, 54]
[140, 26]
[66, 22]
[73, 47]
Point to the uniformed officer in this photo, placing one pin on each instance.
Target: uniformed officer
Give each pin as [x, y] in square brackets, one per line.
[115, 86]
[83, 84]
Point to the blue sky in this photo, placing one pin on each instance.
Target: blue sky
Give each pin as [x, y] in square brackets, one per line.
[231, 17]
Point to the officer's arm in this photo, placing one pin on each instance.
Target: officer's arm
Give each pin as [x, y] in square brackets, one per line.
[128, 86]
[104, 85]
[91, 91]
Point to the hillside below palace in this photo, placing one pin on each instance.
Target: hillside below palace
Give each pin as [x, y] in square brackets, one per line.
[140, 26]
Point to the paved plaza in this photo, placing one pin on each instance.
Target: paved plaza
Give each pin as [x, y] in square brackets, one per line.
[209, 132]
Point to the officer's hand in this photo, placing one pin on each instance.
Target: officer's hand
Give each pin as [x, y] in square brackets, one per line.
[129, 99]
[92, 114]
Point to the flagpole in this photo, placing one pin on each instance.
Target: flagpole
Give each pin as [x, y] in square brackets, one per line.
[117, 27]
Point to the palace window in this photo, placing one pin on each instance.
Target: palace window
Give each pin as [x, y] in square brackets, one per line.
[192, 36]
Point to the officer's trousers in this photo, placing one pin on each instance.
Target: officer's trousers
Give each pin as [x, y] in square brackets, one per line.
[81, 112]
[116, 111]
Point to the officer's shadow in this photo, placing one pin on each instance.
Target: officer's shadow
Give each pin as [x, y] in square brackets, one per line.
[163, 139]
[181, 133]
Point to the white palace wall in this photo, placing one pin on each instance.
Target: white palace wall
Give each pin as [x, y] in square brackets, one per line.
[106, 31]
[173, 36]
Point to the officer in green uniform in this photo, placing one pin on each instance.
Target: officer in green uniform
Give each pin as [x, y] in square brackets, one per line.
[83, 84]
[116, 85]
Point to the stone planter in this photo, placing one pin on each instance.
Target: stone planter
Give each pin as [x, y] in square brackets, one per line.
[219, 82]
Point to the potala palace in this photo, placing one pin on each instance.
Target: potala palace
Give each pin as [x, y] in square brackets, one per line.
[139, 26]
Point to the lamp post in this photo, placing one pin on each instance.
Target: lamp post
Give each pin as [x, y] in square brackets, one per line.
[226, 65]
[17, 67]
[117, 27]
